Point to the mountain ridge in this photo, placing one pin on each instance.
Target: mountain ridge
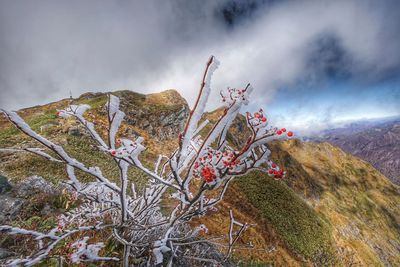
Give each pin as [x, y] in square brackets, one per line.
[325, 213]
[376, 142]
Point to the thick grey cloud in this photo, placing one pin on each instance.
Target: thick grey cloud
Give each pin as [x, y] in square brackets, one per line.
[48, 48]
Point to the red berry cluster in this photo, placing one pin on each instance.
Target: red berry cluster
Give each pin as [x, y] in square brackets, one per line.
[228, 160]
[208, 157]
[275, 172]
[60, 227]
[283, 130]
[124, 148]
[257, 119]
[208, 174]
[233, 94]
[60, 224]
[260, 116]
[206, 166]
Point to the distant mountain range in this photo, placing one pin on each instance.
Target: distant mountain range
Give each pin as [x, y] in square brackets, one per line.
[376, 141]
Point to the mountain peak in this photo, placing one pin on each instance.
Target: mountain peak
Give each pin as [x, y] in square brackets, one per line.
[167, 97]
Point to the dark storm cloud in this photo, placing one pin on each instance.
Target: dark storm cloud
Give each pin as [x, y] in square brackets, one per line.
[48, 48]
[327, 59]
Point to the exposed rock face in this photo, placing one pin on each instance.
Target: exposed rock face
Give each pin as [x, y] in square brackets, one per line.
[9, 207]
[33, 185]
[377, 144]
[12, 201]
[4, 253]
[161, 115]
[161, 126]
[4, 185]
[74, 131]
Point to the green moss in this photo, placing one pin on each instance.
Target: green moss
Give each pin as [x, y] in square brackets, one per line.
[94, 102]
[35, 165]
[37, 121]
[303, 230]
[10, 135]
[255, 264]
[82, 148]
[40, 224]
[130, 97]
[50, 262]
[7, 136]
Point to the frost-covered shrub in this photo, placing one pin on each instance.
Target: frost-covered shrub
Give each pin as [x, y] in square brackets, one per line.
[194, 177]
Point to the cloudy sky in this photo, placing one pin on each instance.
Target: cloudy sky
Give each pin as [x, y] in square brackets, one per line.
[313, 64]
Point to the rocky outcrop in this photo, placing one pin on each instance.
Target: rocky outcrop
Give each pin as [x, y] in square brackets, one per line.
[161, 125]
[33, 185]
[12, 201]
[4, 185]
[9, 207]
[4, 253]
[161, 115]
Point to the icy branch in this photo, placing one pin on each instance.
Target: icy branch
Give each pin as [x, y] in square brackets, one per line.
[150, 220]
[198, 109]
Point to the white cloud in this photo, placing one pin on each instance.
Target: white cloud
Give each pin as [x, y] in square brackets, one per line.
[49, 47]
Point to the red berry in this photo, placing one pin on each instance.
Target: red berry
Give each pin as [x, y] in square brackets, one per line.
[208, 174]
[279, 132]
[113, 152]
[273, 165]
[270, 171]
[283, 129]
[290, 134]
[264, 119]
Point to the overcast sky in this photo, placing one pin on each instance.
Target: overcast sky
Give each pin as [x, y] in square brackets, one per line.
[312, 63]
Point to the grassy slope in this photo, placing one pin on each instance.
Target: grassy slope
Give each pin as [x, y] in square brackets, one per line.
[304, 230]
[361, 204]
[331, 207]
